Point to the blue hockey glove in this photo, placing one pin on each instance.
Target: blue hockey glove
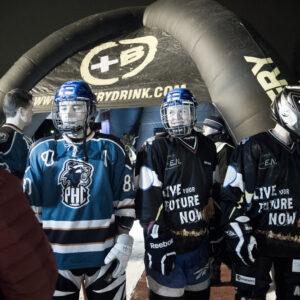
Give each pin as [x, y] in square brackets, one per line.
[160, 253]
[241, 241]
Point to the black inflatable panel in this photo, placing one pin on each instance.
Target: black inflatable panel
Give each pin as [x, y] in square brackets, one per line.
[218, 43]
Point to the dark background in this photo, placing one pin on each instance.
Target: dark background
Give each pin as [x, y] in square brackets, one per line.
[24, 23]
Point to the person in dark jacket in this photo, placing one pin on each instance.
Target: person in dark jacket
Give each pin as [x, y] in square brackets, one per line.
[27, 265]
[214, 127]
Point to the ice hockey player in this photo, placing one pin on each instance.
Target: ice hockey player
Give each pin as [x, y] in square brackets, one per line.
[14, 145]
[175, 178]
[261, 204]
[214, 127]
[80, 187]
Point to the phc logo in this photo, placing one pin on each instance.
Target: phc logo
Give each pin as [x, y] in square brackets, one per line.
[110, 62]
[75, 180]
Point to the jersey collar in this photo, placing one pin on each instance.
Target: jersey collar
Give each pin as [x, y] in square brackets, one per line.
[190, 142]
[12, 126]
[290, 147]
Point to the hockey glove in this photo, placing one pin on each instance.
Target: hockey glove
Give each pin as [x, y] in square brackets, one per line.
[241, 241]
[121, 252]
[160, 253]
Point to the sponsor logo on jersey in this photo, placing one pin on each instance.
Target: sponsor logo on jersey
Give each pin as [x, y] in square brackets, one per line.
[173, 161]
[267, 161]
[161, 244]
[3, 137]
[245, 279]
[48, 157]
[202, 272]
[75, 180]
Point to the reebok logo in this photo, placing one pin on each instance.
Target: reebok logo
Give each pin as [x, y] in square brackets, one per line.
[245, 279]
[161, 245]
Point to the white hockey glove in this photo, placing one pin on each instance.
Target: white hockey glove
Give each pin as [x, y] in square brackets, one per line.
[121, 252]
[241, 241]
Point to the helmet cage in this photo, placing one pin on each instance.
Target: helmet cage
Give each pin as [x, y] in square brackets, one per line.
[180, 130]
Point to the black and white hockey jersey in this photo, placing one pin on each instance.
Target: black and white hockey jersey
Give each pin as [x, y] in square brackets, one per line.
[177, 175]
[14, 147]
[263, 182]
[224, 147]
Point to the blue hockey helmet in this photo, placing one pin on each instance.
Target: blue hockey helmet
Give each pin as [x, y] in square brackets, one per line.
[74, 91]
[286, 109]
[178, 112]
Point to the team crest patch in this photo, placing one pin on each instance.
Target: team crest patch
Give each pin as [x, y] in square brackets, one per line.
[75, 180]
[3, 137]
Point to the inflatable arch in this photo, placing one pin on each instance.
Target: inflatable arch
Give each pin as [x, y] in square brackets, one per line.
[241, 79]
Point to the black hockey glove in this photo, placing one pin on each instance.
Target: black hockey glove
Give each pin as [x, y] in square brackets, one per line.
[160, 253]
[240, 241]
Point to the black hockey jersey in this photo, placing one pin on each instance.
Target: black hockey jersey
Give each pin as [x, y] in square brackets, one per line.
[177, 175]
[14, 147]
[263, 182]
[224, 147]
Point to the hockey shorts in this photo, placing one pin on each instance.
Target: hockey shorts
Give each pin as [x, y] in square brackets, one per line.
[191, 273]
[97, 284]
[254, 281]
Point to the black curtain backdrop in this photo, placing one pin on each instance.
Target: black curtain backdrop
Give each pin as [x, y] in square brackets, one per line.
[24, 23]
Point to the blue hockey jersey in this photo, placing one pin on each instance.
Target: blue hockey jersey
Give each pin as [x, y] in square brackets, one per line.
[14, 147]
[80, 202]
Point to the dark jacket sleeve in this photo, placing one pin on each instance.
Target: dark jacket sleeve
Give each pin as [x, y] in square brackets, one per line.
[27, 265]
[240, 181]
[149, 178]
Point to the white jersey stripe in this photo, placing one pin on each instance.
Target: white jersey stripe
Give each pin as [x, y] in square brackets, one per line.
[78, 225]
[125, 212]
[36, 209]
[79, 248]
